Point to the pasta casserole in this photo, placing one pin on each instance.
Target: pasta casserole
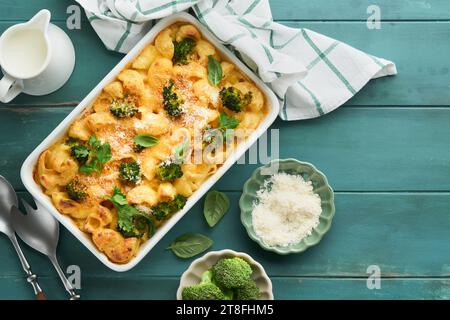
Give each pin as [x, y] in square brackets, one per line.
[150, 139]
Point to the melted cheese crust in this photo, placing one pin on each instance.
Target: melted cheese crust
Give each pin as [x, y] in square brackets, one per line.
[144, 79]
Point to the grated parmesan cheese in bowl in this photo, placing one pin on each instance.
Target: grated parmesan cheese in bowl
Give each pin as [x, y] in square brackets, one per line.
[286, 210]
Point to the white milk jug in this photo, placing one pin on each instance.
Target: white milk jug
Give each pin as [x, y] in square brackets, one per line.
[36, 58]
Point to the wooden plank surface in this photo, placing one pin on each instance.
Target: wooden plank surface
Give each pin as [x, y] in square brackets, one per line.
[405, 234]
[281, 9]
[423, 77]
[359, 149]
[132, 288]
[385, 153]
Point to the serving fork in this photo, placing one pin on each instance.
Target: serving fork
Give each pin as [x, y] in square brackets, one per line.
[40, 230]
[8, 199]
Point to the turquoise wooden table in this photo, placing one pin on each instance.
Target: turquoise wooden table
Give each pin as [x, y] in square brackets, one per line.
[386, 153]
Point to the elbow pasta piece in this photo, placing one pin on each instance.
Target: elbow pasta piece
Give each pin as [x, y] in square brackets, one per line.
[153, 123]
[114, 89]
[166, 191]
[159, 73]
[70, 207]
[142, 194]
[133, 82]
[203, 50]
[100, 218]
[80, 130]
[117, 248]
[192, 70]
[142, 81]
[96, 121]
[148, 166]
[102, 103]
[164, 43]
[145, 59]
[188, 31]
[206, 93]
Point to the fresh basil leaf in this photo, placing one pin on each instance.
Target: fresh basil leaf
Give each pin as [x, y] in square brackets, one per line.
[215, 207]
[227, 122]
[145, 140]
[214, 71]
[190, 244]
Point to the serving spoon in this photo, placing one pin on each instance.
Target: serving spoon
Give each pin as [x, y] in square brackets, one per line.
[40, 230]
[8, 199]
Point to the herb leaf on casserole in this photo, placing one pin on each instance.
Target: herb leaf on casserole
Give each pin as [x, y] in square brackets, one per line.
[99, 154]
[214, 71]
[182, 50]
[131, 221]
[226, 125]
[190, 244]
[145, 140]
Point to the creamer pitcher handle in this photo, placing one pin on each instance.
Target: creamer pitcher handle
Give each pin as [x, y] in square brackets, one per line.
[9, 88]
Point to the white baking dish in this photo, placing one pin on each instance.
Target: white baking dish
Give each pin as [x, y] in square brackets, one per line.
[29, 164]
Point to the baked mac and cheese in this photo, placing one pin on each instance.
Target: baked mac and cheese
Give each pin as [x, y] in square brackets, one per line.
[149, 140]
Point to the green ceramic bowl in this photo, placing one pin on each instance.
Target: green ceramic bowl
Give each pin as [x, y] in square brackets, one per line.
[321, 187]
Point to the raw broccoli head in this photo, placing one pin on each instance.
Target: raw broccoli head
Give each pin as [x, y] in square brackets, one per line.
[203, 291]
[233, 99]
[182, 50]
[123, 108]
[171, 101]
[231, 273]
[75, 190]
[130, 172]
[249, 291]
[169, 171]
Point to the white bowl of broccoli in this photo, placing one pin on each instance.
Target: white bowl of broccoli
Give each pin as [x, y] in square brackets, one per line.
[225, 275]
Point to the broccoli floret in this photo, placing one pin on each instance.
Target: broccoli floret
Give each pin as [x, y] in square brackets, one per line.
[231, 273]
[169, 171]
[233, 99]
[205, 290]
[182, 50]
[249, 291]
[123, 108]
[130, 172]
[163, 209]
[75, 190]
[171, 101]
[71, 142]
[79, 152]
[178, 203]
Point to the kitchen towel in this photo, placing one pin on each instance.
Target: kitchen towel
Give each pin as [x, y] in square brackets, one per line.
[310, 73]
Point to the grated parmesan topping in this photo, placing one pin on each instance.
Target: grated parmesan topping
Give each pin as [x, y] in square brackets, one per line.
[287, 210]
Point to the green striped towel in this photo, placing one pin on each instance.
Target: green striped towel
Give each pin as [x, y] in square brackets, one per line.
[310, 73]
